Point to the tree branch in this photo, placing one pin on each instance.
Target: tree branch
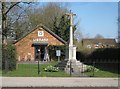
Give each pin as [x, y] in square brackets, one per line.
[11, 7]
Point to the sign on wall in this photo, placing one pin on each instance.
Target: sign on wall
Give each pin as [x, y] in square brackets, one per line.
[40, 33]
[58, 53]
[40, 39]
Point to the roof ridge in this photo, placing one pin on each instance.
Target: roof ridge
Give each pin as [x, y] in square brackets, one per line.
[45, 28]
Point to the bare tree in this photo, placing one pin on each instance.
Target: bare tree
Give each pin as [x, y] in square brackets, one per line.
[46, 14]
[98, 36]
[78, 35]
[23, 17]
[52, 15]
[6, 8]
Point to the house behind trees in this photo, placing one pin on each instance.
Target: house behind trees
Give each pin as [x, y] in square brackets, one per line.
[99, 43]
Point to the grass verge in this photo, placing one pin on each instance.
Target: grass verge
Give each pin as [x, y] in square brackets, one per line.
[102, 73]
[0, 72]
[31, 70]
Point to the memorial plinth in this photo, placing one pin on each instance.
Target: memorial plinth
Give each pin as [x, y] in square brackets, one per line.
[72, 53]
[73, 66]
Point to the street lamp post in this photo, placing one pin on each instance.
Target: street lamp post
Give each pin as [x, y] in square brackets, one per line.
[39, 61]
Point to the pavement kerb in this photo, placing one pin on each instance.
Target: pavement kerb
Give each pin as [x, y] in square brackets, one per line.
[58, 82]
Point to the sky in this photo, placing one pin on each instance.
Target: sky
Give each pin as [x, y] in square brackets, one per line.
[96, 18]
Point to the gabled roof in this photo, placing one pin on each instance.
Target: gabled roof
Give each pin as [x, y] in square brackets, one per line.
[95, 41]
[46, 29]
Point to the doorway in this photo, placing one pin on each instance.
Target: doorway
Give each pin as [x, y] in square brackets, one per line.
[39, 52]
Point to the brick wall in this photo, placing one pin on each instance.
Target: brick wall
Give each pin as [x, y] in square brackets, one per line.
[24, 48]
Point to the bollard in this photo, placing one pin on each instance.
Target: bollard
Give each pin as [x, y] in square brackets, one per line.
[93, 69]
[70, 68]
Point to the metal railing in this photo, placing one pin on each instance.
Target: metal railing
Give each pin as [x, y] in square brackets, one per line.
[82, 69]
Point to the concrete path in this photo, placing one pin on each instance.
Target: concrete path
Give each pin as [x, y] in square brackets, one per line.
[58, 82]
[60, 88]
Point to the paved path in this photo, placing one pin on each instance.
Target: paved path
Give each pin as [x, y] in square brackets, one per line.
[66, 88]
[58, 82]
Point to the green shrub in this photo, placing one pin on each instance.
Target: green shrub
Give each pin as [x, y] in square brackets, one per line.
[0, 56]
[8, 57]
[91, 68]
[51, 69]
[52, 52]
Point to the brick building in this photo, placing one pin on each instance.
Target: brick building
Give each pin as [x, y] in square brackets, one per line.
[36, 44]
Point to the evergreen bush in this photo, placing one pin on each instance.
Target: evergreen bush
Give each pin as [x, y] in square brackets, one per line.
[8, 57]
[0, 56]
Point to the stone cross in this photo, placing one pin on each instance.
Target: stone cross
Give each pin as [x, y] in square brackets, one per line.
[72, 50]
[71, 27]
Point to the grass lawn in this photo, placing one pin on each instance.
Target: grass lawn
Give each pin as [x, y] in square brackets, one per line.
[101, 73]
[0, 72]
[31, 70]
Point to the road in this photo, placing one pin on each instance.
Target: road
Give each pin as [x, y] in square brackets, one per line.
[59, 83]
[67, 88]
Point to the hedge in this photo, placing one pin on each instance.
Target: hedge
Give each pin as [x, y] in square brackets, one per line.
[8, 57]
[103, 54]
[0, 56]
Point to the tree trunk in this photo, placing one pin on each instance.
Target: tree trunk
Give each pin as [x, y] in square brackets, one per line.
[5, 11]
[4, 23]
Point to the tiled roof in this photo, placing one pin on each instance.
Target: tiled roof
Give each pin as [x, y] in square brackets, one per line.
[46, 29]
